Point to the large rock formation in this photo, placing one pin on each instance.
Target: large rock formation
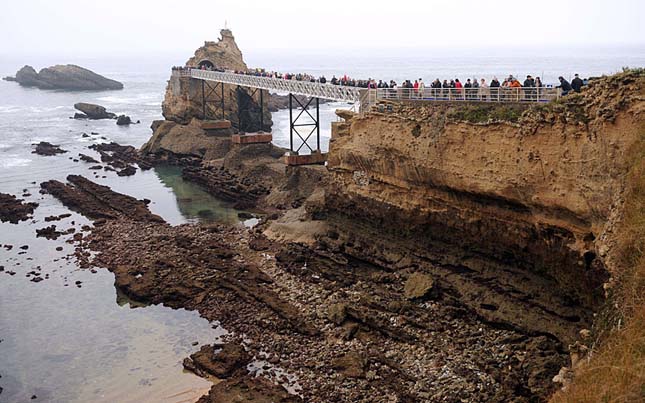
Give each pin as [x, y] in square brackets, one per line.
[64, 77]
[92, 111]
[534, 189]
[184, 96]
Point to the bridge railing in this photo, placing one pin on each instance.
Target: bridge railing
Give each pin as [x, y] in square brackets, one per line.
[306, 88]
[366, 97]
[496, 94]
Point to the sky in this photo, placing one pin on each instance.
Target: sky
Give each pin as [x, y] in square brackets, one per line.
[99, 28]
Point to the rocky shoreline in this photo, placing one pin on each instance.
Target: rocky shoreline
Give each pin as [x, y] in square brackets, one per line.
[344, 334]
[445, 253]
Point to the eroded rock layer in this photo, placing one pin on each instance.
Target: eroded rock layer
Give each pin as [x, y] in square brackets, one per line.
[517, 197]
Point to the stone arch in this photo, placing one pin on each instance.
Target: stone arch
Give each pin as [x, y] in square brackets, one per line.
[206, 63]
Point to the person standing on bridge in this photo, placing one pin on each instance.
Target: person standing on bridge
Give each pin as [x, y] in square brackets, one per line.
[446, 89]
[468, 88]
[529, 84]
[577, 83]
[494, 89]
[421, 88]
[484, 90]
[458, 88]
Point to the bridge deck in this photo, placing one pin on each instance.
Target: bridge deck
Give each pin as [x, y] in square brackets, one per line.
[366, 97]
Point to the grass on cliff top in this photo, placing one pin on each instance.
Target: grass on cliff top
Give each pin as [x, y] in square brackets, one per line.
[484, 113]
[616, 371]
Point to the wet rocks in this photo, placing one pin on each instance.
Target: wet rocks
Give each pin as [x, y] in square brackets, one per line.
[57, 217]
[248, 389]
[92, 111]
[227, 186]
[127, 171]
[64, 77]
[47, 149]
[88, 159]
[98, 202]
[220, 360]
[120, 157]
[49, 232]
[14, 210]
[124, 120]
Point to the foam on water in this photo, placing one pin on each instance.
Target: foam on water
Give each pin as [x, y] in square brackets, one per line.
[134, 100]
[13, 161]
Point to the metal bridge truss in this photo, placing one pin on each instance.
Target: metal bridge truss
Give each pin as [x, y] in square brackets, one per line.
[306, 88]
[302, 123]
[211, 95]
[214, 94]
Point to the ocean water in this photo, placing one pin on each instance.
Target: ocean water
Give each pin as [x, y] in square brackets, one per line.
[63, 343]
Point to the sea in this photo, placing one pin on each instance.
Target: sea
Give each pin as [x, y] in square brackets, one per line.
[73, 337]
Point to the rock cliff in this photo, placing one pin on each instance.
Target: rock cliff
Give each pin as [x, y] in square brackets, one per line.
[64, 77]
[526, 196]
[184, 97]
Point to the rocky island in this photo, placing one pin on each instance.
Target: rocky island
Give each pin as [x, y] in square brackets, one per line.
[64, 77]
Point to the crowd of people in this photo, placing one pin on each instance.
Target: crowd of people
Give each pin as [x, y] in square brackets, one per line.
[475, 88]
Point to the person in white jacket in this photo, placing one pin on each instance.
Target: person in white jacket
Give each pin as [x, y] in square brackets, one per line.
[484, 90]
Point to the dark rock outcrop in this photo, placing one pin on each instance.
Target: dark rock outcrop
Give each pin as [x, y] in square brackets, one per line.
[47, 149]
[220, 360]
[183, 99]
[14, 210]
[123, 120]
[92, 111]
[64, 77]
[98, 202]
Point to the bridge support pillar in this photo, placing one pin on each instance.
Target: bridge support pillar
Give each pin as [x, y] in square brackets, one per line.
[211, 95]
[304, 125]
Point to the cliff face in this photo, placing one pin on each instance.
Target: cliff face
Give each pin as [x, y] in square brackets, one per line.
[528, 195]
[184, 97]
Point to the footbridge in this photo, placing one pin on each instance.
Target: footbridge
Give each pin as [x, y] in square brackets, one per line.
[304, 124]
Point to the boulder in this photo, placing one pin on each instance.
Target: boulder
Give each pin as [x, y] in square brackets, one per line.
[220, 360]
[47, 149]
[188, 140]
[123, 120]
[418, 286]
[350, 365]
[93, 111]
[64, 77]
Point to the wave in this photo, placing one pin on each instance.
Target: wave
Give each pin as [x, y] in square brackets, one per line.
[9, 109]
[14, 161]
[135, 100]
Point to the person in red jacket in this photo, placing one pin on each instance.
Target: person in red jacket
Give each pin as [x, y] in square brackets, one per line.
[458, 87]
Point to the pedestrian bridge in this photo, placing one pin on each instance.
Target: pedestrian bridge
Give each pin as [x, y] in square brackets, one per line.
[365, 97]
[304, 124]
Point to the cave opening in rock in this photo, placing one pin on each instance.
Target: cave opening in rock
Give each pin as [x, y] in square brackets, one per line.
[206, 64]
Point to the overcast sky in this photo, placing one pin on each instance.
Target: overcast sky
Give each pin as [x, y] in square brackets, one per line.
[92, 28]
